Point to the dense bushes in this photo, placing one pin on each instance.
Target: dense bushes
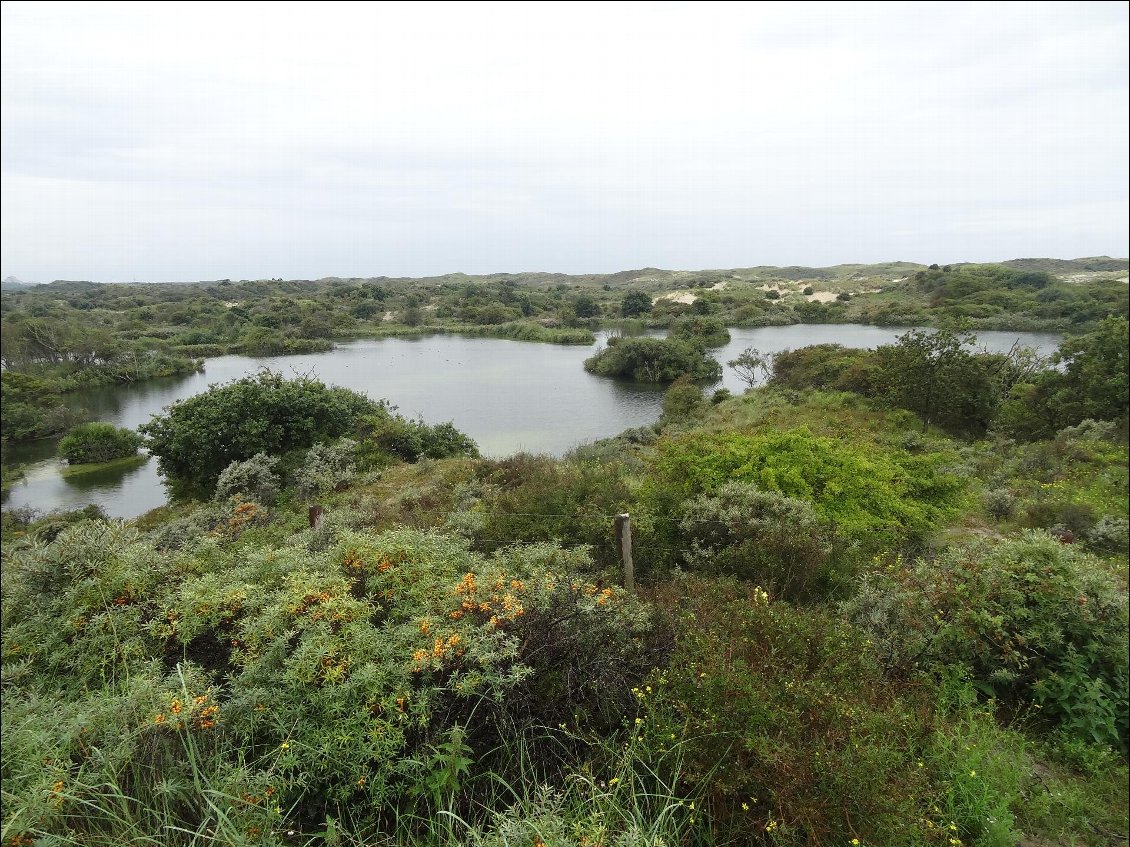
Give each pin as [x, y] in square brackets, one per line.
[709, 332]
[481, 680]
[825, 367]
[384, 437]
[1035, 620]
[1091, 382]
[785, 722]
[298, 681]
[98, 442]
[764, 537]
[33, 408]
[653, 360]
[200, 436]
[869, 494]
[531, 498]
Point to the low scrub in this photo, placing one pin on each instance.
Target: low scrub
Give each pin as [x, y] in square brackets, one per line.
[98, 442]
[653, 360]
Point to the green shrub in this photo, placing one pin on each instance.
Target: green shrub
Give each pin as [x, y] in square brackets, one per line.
[784, 720]
[872, 495]
[200, 436]
[325, 468]
[98, 442]
[827, 367]
[653, 360]
[353, 676]
[775, 541]
[537, 498]
[683, 401]
[709, 332]
[1035, 620]
[33, 408]
[255, 479]
[999, 503]
[384, 437]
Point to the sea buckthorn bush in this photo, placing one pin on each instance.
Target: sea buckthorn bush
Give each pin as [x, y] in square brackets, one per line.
[378, 672]
[256, 479]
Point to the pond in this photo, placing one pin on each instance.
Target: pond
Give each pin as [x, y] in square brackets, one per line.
[507, 395]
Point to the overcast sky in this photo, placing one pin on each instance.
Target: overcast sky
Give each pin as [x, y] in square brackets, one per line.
[167, 141]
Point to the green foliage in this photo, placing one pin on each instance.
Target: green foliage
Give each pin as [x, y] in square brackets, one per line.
[535, 498]
[871, 495]
[935, 376]
[98, 442]
[634, 304]
[682, 402]
[709, 332]
[384, 436]
[653, 360]
[33, 408]
[200, 436]
[1091, 382]
[325, 468]
[1034, 619]
[763, 537]
[827, 367]
[788, 728]
[752, 366]
[255, 478]
[378, 675]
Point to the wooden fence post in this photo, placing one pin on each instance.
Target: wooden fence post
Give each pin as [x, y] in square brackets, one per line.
[624, 534]
[316, 513]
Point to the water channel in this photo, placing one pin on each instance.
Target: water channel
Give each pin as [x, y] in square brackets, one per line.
[507, 395]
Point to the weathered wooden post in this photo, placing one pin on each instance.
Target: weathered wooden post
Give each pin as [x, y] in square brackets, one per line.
[316, 516]
[624, 534]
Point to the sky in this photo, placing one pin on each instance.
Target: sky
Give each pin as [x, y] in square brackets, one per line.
[190, 141]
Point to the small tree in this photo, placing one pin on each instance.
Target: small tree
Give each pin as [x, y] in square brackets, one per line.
[634, 304]
[752, 366]
[937, 376]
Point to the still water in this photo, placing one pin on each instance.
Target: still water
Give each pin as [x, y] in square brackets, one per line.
[507, 395]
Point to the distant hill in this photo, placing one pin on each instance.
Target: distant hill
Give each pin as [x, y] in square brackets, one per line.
[660, 280]
[11, 283]
[1094, 264]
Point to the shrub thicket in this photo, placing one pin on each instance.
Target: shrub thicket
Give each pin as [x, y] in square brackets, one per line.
[653, 360]
[1036, 621]
[98, 442]
[200, 436]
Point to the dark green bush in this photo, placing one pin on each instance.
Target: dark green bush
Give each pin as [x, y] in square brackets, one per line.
[653, 360]
[1034, 619]
[200, 436]
[683, 401]
[384, 436]
[710, 332]
[98, 442]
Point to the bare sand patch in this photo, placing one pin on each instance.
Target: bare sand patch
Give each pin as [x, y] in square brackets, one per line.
[684, 297]
[822, 296]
